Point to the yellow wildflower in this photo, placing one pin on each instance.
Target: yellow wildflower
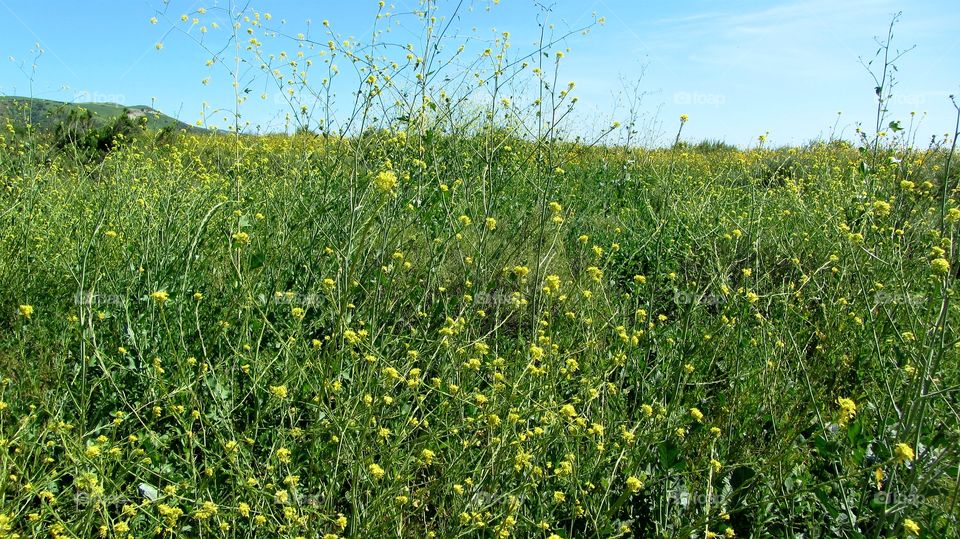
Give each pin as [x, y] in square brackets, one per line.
[386, 180]
[848, 409]
[903, 452]
[376, 471]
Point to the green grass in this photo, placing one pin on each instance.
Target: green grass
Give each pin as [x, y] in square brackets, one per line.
[315, 326]
[441, 318]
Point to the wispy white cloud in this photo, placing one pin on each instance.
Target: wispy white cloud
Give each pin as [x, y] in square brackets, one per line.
[787, 66]
[801, 35]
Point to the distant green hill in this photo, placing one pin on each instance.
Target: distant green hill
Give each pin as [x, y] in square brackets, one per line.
[46, 114]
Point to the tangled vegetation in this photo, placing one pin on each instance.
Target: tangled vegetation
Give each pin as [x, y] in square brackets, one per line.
[446, 329]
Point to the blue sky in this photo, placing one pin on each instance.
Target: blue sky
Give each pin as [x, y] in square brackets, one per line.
[738, 69]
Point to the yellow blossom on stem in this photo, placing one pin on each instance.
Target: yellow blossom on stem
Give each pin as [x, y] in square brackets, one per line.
[848, 409]
[386, 180]
[376, 471]
[903, 452]
[940, 266]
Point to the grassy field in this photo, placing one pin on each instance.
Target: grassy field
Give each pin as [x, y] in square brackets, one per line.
[457, 322]
[441, 337]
